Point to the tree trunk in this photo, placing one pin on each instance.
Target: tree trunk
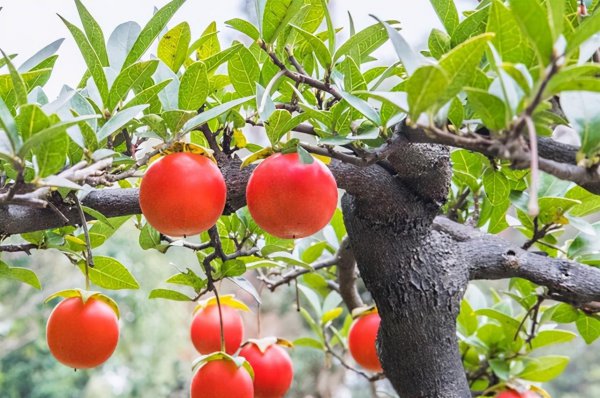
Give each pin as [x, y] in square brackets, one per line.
[414, 276]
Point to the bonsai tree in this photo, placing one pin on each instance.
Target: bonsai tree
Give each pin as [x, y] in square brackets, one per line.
[435, 155]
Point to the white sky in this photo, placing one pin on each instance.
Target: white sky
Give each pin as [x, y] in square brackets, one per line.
[28, 25]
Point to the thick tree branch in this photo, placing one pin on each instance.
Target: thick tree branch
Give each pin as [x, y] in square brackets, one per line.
[491, 257]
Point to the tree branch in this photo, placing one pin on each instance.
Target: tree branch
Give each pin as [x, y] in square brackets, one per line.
[491, 257]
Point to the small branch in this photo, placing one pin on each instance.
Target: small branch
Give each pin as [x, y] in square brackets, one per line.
[533, 206]
[186, 244]
[293, 275]
[347, 275]
[25, 247]
[301, 78]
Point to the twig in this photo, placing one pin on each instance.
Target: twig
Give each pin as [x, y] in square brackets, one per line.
[293, 275]
[25, 247]
[533, 206]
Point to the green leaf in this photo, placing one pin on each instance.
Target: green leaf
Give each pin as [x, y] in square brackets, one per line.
[305, 157]
[277, 14]
[213, 62]
[233, 268]
[213, 113]
[409, 57]
[276, 124]
[461, 63]
[510, 324]
[109, 273]
[193, 89]
[146, 95]
[118, 120]
[177, 118]
[467, 167]
[93, 32]
[7, 122]
[130, 78]
[533, 20]
[309, 342]
[208, 43]
[590, 203]
[51, 155]
[97, 215]
[245, 27]
[39, 58]
[497, 188]
[31, 120]
[584, 31]
[244, 72]
[564, 313]
[188, 278]
[20, 274]
[582, 109]
[424, 88]
[41, 137]
[17, 80]
[168, 295]
[149, 237]
[353, 78]
[319, 48]
[588, 327]
[473, 25]
[363, 107]
[151, 31]
[439, 43]
[489, 108]
[543, 369]
[173, 46]
[364, 42]
[331, 315]
[549, 337]
[93, 62]
[510, 42]
[467, 319]
[446, 11]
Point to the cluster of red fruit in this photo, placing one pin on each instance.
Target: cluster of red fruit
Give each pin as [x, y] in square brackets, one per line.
[184, 194]
[83, 332]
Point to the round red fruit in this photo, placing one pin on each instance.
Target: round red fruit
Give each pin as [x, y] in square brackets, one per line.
[82, 335]
[206, 329]
[182, 194]
[361, 341]
[273, 369]
[516, 394]
[222, 378]
[290, 199]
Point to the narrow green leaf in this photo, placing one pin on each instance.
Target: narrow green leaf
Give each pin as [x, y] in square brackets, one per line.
[533, 20]
[543, 369]
[145, 96]
[475, 24]
[93, 32]
[276, 124]
[277, 14]
[448, 14]
[244, 72]
[364, 42]
[31, 120]
[587, 29]
[173, 46]
[439, 43]
[91, 58]
[9, 127]
[38, 58]
[363, 107]
[213, 113]
[151, 31]
[318, 47]
[168, 295]
[409, 57]
[193, 89]
[488, 107]
[130, 78]
[209, 42]
[550, 337]
[245, 27]
[17, 80]
[118, 120]
[216, 60]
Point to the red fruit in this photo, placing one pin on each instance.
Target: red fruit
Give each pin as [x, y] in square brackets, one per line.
[290, 199]
[81, 335]
[516, 394]
[273, 369]
[182, 194]
[361, 341]
[206, 329]
[221, 378]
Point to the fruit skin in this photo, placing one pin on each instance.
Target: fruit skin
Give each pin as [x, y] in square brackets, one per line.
[289, 199]
[273, 370]
[206, 329]
[183, 194]
[361, 341]
[516, 394]
[222, 378]
[82, 336]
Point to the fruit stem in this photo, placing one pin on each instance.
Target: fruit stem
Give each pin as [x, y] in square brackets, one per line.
[87, 254]
[220, 319]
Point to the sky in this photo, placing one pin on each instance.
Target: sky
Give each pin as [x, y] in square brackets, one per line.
[28, 25]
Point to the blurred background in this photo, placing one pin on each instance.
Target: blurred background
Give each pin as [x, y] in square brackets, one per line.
[154, 355]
